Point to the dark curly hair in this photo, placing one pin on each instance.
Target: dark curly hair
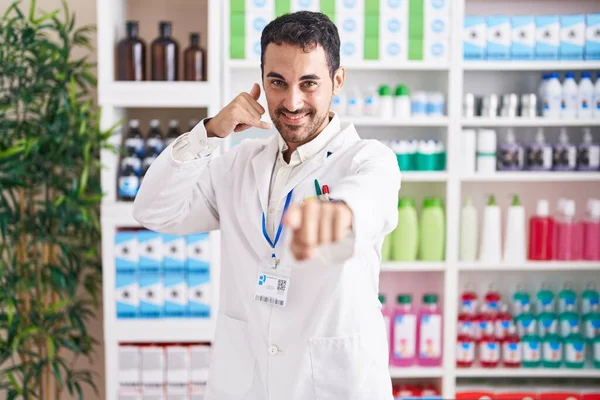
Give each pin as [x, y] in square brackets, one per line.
[305, 29]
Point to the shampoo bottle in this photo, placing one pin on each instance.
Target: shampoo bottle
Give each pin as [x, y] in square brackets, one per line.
[491, 236]
[514, 240]
[468, 232]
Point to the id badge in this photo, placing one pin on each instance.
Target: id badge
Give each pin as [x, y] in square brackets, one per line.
[272, 284]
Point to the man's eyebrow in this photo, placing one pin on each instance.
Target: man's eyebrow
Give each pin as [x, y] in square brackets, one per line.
[275, 75]
[310, 77]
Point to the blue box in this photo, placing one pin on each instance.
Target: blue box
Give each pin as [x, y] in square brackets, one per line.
[126, 252]
[592, 37]
[547, 37]
[572, 37]
[174, 253]
[175, 295]
[151, 295]
[498, 37]
[474, 38]
[127, 295]
[523, 38]
[150, 251]
[199, 294]
[198, 252]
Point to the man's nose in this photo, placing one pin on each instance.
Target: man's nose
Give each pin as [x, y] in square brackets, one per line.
[293, 99]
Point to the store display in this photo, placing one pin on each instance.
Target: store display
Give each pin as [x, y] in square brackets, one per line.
[131, 55]
[165, 55]
[432, 228]
[490, 250]
[162, 276]
[194, 60]
[406, 234]
[421, 155]
[405, 340]
[517, 390]
[429, 334]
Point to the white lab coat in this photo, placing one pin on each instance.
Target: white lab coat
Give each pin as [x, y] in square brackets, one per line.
[329, 342]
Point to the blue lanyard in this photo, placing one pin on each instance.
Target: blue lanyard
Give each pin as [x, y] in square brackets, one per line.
[278, 234]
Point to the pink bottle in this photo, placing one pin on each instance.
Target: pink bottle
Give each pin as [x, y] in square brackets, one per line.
[568, 233]
[404, 332]
[387, 317]
[591, 231]
[430, 332]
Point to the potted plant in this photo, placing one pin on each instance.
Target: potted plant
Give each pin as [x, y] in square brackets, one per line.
[50, 264]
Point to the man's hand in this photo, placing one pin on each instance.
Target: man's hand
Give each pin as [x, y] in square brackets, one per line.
[316, 223]
[242, 113]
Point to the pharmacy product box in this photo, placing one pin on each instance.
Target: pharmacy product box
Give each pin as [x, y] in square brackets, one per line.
[153, 367]
[198, 252]
[592, 37]
[351, 7]
[309, 5]
[126, 251]
[127, 295]
[151, 251]
[175, 295]
[254, 27]
[392, 7]
[474, 38]
[437, 7]
[256, 6]
[174, 253]
[437, 26]
[151, 296]
[129, 394]
[178, 368]
[498, 37]
[197, 392]
[393, 36]
[200, 363]
[523, 38]
[572, 37]
[199, 294]
[547, 37]
[154, 394]
[351, 31]
[130, 367]
[436, 50]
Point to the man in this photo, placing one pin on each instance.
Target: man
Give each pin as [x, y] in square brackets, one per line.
[299, 318]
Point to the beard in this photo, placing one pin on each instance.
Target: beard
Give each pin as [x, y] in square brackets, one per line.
[298, 133]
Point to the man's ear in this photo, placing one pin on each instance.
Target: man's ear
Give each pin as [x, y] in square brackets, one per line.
[338, 80]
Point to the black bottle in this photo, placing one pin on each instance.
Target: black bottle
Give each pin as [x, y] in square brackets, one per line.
[194, 60]
[134, 142]
[154, 145]
[131, 55]
[165, 55]
[129, 183]
[173, 132]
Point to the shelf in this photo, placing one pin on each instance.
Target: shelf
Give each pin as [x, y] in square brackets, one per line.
[533, 266]
[164, 330]
[534, 176]
[424, 176]
[410, 121]
[527, 122]
[527, 373]
[530, 65]
[158, 94]
[364, 65]
[416, 372]
[416, 266]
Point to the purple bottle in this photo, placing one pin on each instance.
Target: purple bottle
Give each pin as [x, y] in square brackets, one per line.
[539, 154]
[588, 153]
[565, 154]
[510, 154]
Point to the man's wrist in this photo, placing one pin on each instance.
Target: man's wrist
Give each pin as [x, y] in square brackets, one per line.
[208, 127]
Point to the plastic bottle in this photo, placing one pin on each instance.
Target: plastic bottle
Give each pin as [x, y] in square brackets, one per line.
[129, 183]
[541, 233]
[432, 232]
[565, 154]
[355, 103]
[585, 96]
[386, 248]
[591, 324]
[568, 234]
[596, 101]
[568, 320]
[567, 297]
[404, 332]
[539, 153]
[418, 104]
[588, 153]
[526, 323]
[552, 98]
[372, 103]
[570, 93]
[542, 92]
[402, 102]
[589, 298]
[532, 351]
[489, 350]
[503, 322]
[514, 240]
[510, 154]
[596, 351]
[545, 299]
[466, 322]
[552, 351]
[484, 321]
[486, 151]
[521, 301]
[173, 132]
[430, 332]
[387, 317]
[339, 104]
[468, 232]
[435, 104]
[406, 234]
[491, 236]
[493, 299]
[465, 348]
[386, 102]
[574, 349]
[591, 231]
[511, 349]
[547, 324]
[468, 300]
[134, 142]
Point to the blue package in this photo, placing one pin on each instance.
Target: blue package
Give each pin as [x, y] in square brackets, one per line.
[175, 295]
[572, 37]
[592, 37]
[126, 252]
[127, 299]
[498, 37]
[199, 298]
[198, 252]
[174, 252]
[151, 295]
[474, 38]
[523, 38]
[150, 251]
[547, 37]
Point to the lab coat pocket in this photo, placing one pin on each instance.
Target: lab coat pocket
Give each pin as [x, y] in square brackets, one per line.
[345, 368]
[232, 360]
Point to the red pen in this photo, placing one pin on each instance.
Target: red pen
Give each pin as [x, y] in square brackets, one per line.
[325, 195]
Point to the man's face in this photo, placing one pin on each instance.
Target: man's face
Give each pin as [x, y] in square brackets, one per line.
[299, 90]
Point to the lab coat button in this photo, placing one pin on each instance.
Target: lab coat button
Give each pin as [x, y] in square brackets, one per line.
[273, 350]
[271, 210]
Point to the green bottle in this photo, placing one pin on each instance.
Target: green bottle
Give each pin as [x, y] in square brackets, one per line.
[589, 298]
[432, 230]
[532, 352]
[547, 324]
[552, 351]
[567, 321]
[567, 297]
[591, 325]
[574, 349]
[386, 248]
[521, 301]
[596, 352]
[545, 299]
[406, 235]
[526, 324]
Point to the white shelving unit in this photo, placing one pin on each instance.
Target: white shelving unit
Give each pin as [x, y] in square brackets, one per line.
[228, 77]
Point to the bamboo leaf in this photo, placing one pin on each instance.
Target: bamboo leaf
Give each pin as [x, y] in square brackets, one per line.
[51, 348]
[32, 10]
[14, 383]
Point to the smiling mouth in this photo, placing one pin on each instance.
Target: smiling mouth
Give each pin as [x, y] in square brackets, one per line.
[294, 119]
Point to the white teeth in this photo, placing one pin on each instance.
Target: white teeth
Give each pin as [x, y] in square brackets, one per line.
[295, 116]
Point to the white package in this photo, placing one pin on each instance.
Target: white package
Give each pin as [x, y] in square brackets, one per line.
[486, 151]
[153, 368]
[199, 364]
[178, 367]
[129, 366]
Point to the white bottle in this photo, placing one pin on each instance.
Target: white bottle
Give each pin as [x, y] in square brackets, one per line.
[542, 91]
[490, 251]
[339, 104]
[585, 96]
[552, 97]
[570, 93]
[371, 107]
[486, 151]
[468, 232]
[418, 104]
[468, 151]
[596, 101]
[514, 236]
[386, 102]
[435, 104]
[402, 102]
[355, 103]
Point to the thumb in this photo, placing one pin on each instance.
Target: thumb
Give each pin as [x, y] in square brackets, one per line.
[293, 217]
[255, 92]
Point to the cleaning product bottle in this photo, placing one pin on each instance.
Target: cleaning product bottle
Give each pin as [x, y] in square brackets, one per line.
[552, 351]
[570, 92]
[432, 236]
[574, 349]
[387, 317]
[372, 103]
[511, 349]
[565, 153]
[532, 352]
[585, 96]
[490, 242]
[596, 352]
[386, 102]
[596, 105]
[489, 350]
[526, 322]
[355, 107]
[510, 154]
[514, 240]
[468, 232]
[588, 153]
[405, 332]
[568, 320]
[406, 234]
[430, 332]
[567, 297]
[465, 348]
[552, 97]
[541, 233]
[591, 324]
[468, 299]
[493, 299]
[547, 324]
[545, 299]
[502, 322]
[591, 231]
[539, 154]
[466, 322]
[568, 234]
[402, 102]
[521, 301]
[484, 323]
[589, 298]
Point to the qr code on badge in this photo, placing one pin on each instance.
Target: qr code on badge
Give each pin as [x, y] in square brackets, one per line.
[281, 285]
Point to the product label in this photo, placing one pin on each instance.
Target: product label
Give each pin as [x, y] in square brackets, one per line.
[548, 325]
[539, 157]
[552, 351]
[511, 353]
[526, 324]
[566, 325]
[465, 352]
[128, 186]
[134, 162]
[467, 328]
[587, 303]
[574, 352]
[502, 327]
[485, 328]
[565, 157]
[134, 145]
[489, 352]
[155, 144]
[430, 342]
[510, 157]
[520, 305]
[592, 327]
[531, 351]
[405, 336]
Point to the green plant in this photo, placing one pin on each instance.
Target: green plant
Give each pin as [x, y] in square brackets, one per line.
[50, 266]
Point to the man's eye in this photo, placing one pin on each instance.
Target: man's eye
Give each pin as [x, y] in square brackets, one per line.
[310, 84]
[277, 82]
